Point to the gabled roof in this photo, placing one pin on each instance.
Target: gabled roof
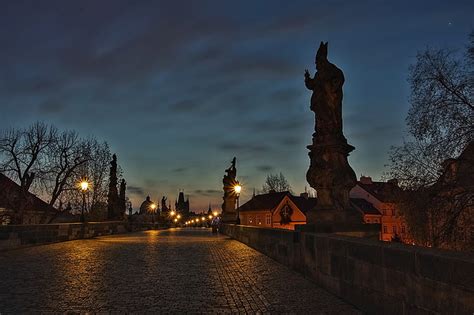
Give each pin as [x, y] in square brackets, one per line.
[364, 206]
[383, 191]
[10, 193]
[264, 202]
[271, 200]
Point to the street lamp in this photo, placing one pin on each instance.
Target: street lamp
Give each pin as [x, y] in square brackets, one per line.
[172, 213]
[237, 189]
[215, 213]
[84, 187]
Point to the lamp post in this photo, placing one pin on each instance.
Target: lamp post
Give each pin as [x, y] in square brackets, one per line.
[237, 189]
[84, 187]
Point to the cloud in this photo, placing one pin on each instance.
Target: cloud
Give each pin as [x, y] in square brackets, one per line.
[207, 192]
[51, 107]
[265, 168]
[179, 170]
[135, 190]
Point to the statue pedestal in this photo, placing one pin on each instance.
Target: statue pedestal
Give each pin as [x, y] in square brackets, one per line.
[229, 217]
[340, 222]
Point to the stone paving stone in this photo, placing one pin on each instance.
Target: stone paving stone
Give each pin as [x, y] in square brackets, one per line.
[173, 271]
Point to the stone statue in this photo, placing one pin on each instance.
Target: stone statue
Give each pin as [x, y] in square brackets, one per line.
[329, 172]
[230, 197]
[164, 208]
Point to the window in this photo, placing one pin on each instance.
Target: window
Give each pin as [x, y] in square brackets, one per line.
[403, 229]
[368, 220]
[250, 220]
[385, 229]
[268, 219]
[257, 220]
[394, 229]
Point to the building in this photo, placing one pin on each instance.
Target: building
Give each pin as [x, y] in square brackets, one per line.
[284, 210]
[383, 195]
[276, 210]
[35, 210]
[182, 206]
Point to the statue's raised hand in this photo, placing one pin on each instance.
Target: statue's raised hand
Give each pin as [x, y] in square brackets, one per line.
[306, 74]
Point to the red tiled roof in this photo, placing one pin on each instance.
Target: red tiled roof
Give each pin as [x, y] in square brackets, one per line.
[364, 206]
[10, 193]
[383, 191]
[264, 201]
[271, 200]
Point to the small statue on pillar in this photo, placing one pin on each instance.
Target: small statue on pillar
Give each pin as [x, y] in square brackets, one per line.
[229, 182]
[329, 172]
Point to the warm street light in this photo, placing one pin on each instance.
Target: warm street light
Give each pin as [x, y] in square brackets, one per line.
[210, 217]
[84, 187]
[153, 207]
[179, 216]
[215, 213]
[237, 189]
[175, 220]
[203, 218]
[172, 213]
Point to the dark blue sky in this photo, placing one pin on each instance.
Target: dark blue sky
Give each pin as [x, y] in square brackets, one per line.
[180, 87]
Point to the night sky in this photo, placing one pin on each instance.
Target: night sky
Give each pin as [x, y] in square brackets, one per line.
[178, 88]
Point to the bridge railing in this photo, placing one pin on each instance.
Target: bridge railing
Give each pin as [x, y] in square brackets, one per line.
[377, 277]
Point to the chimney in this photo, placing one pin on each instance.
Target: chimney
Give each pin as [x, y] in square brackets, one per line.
[367, 180]
[305, 195]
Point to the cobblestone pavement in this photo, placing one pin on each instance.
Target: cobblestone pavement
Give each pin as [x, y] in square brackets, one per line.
[170, 271]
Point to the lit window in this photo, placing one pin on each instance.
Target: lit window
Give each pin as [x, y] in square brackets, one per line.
[385, 229]
[268, 219]
[403, 229]
[394, 229]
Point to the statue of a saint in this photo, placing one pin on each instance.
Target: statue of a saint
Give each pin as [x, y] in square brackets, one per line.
[229, 182]
[329, 172]
[326, 101]
[164, 208]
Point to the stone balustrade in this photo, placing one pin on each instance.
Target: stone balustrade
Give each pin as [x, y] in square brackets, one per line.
[17, 236]
[377, 277]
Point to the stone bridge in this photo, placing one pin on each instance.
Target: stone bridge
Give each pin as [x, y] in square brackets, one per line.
[168, 271]
[195, 271]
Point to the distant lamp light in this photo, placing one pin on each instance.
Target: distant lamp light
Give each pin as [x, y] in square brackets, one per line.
[84, 185]
[153, 206]
[172, 213]
[175, 220]
[215, 213]
[237, 189]
[179, 216]
[210, 217]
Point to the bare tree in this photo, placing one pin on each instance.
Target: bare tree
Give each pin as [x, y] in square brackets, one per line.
[276, 182]
[65, 157]
[441, 118]
[23, 154]
[440, 127]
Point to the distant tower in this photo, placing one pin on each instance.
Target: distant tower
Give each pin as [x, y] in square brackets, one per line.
[112, 196]
[182, 206]
[122, 207]
[209, 210]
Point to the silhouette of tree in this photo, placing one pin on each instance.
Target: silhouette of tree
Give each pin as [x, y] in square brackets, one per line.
[65, 156]
[23, 157]
[441, 117]
[276, 182]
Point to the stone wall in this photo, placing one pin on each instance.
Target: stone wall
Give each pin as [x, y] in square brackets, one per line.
[377, 277]
[17, 236]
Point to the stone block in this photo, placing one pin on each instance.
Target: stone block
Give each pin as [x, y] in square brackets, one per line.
[371, 253]
[434, 266]
[399, 257]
